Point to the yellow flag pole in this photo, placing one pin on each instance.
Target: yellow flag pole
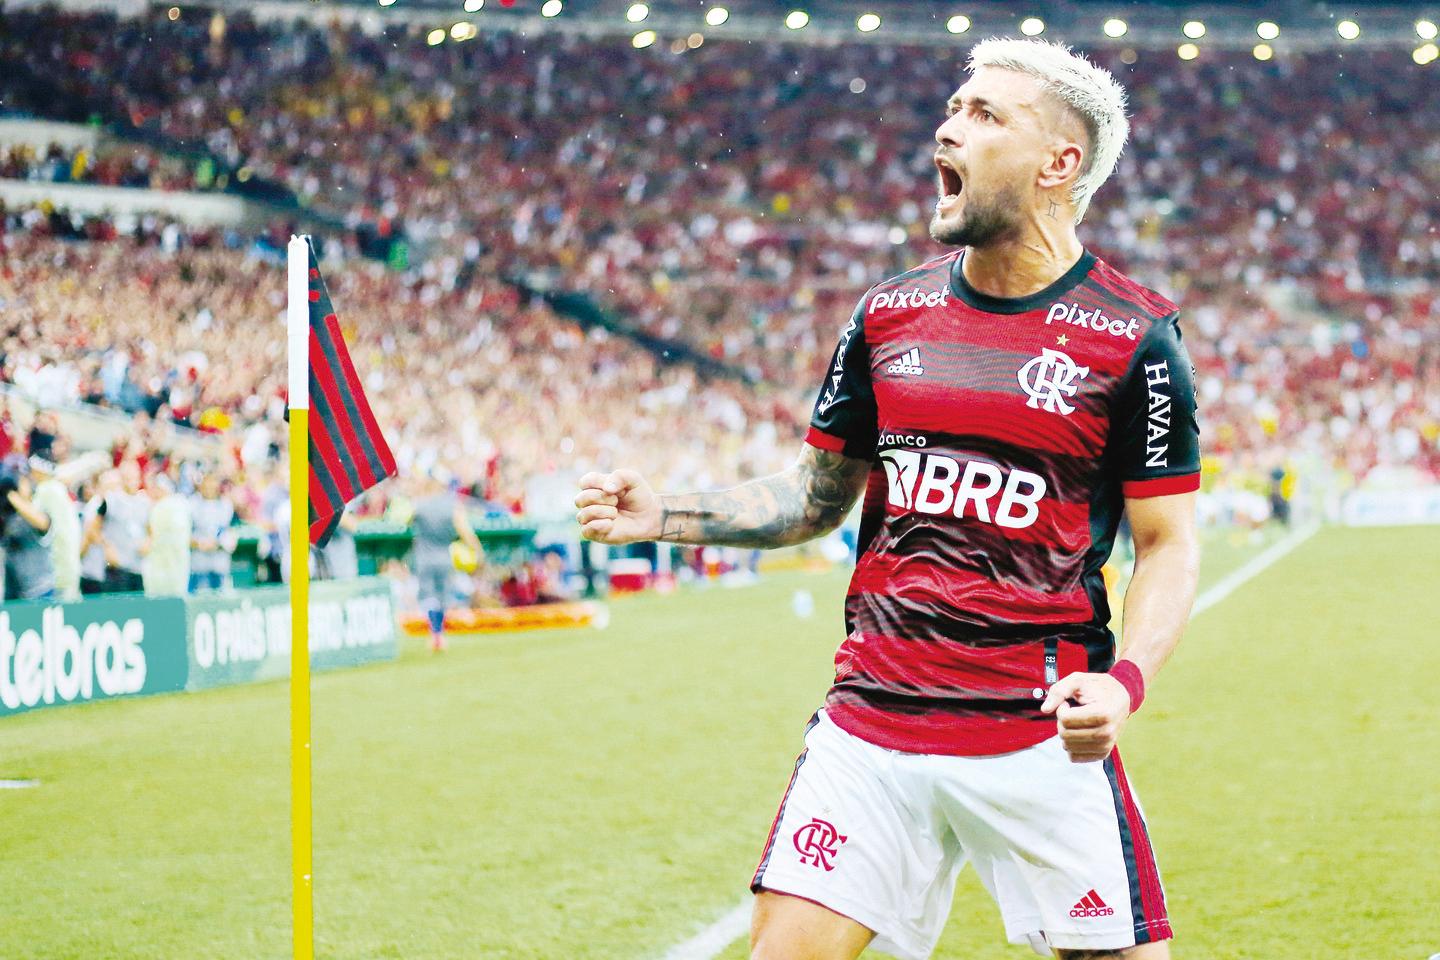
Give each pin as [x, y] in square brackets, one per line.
[298, 330]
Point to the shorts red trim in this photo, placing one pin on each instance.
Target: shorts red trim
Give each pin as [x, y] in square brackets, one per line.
[775, 825]
[824, 441]
[1154, 924]
[1161, 486]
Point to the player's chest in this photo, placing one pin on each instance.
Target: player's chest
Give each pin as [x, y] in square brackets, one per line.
[1014, 378]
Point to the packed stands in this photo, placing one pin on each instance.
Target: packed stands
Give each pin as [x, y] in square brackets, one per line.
[737, 197]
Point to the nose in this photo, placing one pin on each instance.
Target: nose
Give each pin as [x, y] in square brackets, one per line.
[948, 133]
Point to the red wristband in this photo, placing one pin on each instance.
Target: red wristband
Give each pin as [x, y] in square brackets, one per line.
[1132, 680]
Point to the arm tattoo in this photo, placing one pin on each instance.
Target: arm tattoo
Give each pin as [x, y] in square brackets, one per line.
[807, 500]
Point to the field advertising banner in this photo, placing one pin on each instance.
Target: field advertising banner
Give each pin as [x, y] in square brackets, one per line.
[246, 636]
[52, 654]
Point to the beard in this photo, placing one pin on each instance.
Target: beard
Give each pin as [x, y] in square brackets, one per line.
[982, 224]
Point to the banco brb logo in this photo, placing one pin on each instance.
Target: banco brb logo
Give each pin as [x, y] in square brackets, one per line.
[817, 842]
[1049, 378]
[934, 483]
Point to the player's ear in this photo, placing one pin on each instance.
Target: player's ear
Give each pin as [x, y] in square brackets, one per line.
[1062, 166]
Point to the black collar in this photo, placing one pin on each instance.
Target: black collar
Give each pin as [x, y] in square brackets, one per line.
[983, 301]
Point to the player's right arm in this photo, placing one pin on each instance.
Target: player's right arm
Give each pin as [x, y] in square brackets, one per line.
[809, 499]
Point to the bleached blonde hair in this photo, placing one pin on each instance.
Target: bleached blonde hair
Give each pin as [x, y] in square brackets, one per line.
[1091, 92]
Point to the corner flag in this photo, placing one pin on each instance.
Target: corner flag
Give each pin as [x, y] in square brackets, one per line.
[348, 454]
[342, 457]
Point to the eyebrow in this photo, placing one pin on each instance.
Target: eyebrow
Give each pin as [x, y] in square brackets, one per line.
[956, 101]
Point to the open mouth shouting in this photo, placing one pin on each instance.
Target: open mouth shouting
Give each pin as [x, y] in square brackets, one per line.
[950, 185]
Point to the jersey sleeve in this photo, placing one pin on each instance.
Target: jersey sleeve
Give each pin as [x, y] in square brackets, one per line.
[1154, 425]
[844, 420]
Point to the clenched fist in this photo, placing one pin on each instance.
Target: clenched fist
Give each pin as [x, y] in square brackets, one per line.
[618, 507]
[1090, 710]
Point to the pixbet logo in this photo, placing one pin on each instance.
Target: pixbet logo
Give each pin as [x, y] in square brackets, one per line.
[915, 297]
[1048, 379]
[817, 843]
[61, 663]
[932, 483]
[1094, 319]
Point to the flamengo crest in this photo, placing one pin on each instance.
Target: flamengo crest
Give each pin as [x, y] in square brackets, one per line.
[1048, 379]
[817, 842]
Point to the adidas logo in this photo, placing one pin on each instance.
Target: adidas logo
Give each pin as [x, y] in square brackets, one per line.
[1091, 906]
[907, 363]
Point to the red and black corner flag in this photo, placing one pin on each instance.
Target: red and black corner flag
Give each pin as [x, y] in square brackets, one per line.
[348, 453]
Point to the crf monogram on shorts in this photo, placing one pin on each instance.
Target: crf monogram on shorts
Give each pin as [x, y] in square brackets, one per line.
[817, 842]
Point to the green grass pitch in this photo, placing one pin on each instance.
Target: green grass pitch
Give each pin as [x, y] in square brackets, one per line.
[604, 794]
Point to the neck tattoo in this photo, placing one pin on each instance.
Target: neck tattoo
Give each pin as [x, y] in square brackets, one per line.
[1051, 212]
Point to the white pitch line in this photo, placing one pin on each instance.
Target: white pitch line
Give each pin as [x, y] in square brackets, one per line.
[710, 942]
[707, 944]
[1252, 568]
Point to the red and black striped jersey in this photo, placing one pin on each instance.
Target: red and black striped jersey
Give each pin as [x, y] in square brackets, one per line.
[1003, 437]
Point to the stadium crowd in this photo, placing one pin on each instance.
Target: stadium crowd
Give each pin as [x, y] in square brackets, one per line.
[737, 197]
[111, 165]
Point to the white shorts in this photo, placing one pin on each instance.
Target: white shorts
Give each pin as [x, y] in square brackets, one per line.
[880, 836]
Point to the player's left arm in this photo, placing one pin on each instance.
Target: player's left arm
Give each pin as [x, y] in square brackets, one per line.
[1091, 708]
[1156, 435]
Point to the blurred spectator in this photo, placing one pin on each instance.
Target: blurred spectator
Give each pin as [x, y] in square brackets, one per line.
[119, 526]
[212, 538]
[339, 559]
[92, 547]
[165, 551]
[29, 571]
[53, 499]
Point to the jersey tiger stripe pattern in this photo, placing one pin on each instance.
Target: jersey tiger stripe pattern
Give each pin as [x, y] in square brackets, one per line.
[999, 469]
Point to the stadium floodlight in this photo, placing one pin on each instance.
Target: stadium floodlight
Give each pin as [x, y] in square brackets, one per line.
[464, 30]
[637, 12]
[642, 39]
[867, 22]
[1426, 29]
[695, 40]
[173, 13]
[551, 8]
[958, 23]
[386, 3]
[1115, 27]
[1426, 54]
[1267, 29]
[716, 16]
[435, 37]
[1032, 26]
[857, 85]
[1348, 29]
[473, 6]
[796, 19]
[1263, 51]
[1188, 51]
[1193, 29]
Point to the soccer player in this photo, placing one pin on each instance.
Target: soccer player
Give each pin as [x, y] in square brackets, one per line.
[999, 406]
